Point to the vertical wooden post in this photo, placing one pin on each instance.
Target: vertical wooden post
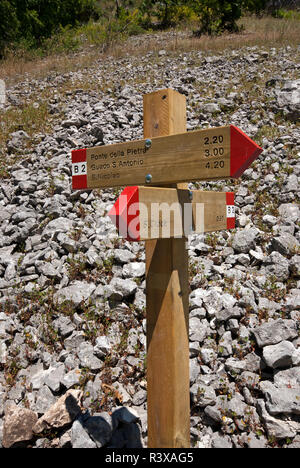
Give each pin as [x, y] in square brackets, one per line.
[167, 293]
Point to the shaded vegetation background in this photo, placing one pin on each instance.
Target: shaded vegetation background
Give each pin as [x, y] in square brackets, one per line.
[47, 26]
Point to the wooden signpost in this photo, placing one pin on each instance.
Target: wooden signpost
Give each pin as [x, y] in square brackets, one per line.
[163, 212]
[144, 213]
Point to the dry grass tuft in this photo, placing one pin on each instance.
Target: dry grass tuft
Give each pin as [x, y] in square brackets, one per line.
[267, 32]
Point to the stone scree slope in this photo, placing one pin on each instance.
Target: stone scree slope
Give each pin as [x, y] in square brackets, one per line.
[72, 294]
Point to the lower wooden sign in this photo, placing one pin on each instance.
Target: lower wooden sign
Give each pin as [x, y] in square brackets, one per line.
[144, 213]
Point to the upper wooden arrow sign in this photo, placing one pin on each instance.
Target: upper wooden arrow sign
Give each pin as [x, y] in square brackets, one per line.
[214, 153]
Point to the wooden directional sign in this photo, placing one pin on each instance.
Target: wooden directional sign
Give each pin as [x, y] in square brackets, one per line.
[164, 216]
[214, 153]
[143, 213]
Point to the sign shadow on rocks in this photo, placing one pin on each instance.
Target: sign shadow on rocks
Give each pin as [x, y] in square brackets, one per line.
[119, 430]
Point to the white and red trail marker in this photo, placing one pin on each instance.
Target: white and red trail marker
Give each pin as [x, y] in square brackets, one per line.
[79, 169]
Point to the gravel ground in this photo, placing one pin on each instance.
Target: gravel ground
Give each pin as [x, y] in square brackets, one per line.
[72, 293]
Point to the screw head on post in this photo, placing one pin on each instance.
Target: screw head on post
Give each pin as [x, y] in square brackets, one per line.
[148, 143]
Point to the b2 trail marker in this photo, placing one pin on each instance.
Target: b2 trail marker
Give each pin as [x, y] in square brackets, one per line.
[156, 206]
[213, 153]
[143, 213]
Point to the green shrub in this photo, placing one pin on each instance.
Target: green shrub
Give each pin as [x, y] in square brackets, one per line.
[31, 21]
[286, 14]
[105, 32]
[217, 16]
[161, 14]
[9, 23]
[214, 16]
[128, 23]
[254, 6]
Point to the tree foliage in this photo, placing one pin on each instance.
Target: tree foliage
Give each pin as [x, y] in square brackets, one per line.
[31, 22]
[34, 20]
[214, 16]
[254, 6]
[217, 16]
[163, 12]
[8, 20]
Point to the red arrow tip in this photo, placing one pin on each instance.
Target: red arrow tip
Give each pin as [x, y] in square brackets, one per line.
[243, 151]
[125, 214]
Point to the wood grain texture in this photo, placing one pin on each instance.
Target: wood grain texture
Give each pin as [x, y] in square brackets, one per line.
[167, 212]
[183, 157]
[167, 293]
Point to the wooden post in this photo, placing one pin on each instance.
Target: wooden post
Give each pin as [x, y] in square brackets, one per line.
[223, 152]
[167, 293]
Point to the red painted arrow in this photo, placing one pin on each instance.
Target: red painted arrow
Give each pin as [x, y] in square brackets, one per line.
[125, 211]
[243, 151]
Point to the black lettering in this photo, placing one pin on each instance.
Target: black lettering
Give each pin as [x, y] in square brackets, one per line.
[218, 164]
[215, 140]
